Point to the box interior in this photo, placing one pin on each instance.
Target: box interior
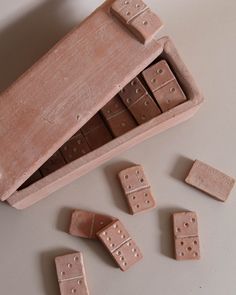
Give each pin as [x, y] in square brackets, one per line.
[84, 141]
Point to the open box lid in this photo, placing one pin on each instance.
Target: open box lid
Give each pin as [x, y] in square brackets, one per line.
[61, 92]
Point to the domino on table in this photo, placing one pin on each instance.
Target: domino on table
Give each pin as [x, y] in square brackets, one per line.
[136, 189]
[185, 227]
[210, 180]
[118, 117]
[164, 86]
[120, 245]
[86, 224]
[71, 274]
[139, 102]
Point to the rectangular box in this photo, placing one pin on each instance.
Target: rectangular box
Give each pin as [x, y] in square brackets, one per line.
[67, 111]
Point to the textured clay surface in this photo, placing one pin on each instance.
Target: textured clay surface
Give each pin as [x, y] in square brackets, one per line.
[158, 75]
[74, 148]
[121, 123]
[132, 92]
[69, 266]
[101, 221]
[127, 10]
[81, 224]
[54, 163]
[71, 274]
[127, 255]
[144, 109]
[187, 248]
[141, 200]
[185, 224]
[210, 180]
[139, 102]
[138, 18]
[120, 245]
[86, 224]
[133, 179]
[169, 96]
[119, 5]
[114, 235]
[185, 227]
[113, 107]
[95, 134]
[146, 26]
[137, 189]
[117, 117]
[74, 286]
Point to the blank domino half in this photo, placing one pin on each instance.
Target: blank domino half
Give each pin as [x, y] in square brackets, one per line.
[86, 224]
[210, 180]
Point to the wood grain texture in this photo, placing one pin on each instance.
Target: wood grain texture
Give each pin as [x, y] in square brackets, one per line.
[38, 191]
[65, 86]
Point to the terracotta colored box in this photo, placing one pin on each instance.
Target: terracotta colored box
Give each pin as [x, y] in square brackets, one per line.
[41, 111]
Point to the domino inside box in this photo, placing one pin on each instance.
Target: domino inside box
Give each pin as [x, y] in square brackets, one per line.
[152, 93]
[136, 104]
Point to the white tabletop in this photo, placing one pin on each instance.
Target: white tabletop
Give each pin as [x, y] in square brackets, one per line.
[204, 31]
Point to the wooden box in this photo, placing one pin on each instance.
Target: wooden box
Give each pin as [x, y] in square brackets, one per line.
[46, 106]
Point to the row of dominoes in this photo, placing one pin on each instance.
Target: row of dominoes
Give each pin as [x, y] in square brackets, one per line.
[155, 91]
[144, 98]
